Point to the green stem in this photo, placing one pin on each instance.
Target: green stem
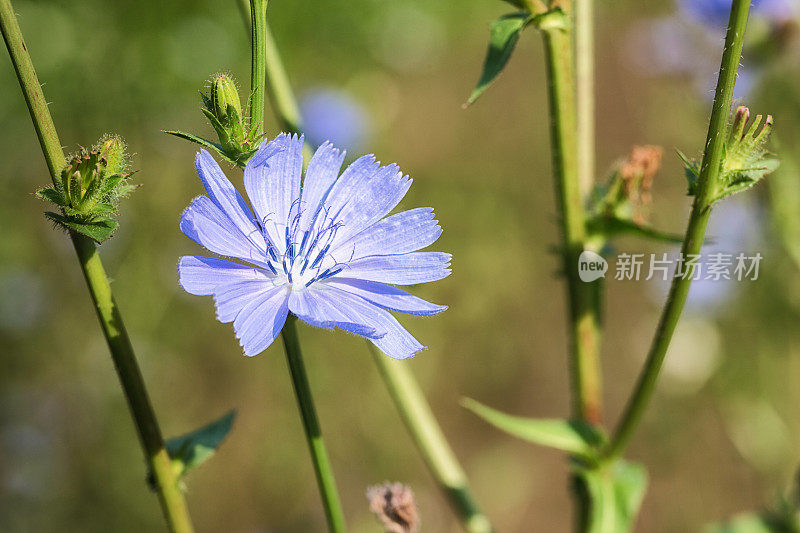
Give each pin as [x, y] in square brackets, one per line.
[584, 82]
[258, 67]
[279, 89]
[170, 496]
[405, 392]
[319, 456]
[583, 308]
[430, 441]
[695, 231]
[322, 468]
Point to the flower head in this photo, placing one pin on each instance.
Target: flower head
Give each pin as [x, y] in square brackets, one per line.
[326, 252]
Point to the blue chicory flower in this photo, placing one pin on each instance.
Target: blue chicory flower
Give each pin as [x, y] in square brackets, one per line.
[333, 115]
[325, 252]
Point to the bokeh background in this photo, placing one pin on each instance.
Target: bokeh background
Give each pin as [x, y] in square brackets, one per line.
[721, 436]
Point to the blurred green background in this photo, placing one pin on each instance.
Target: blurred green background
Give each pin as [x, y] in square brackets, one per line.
[720, 438]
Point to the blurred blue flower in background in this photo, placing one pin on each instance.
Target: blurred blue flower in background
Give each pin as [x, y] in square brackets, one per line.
[323, 252]
[333, 115]
[714, 13]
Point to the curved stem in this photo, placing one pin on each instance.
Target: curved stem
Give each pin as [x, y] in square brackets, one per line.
[279, 89]
[430, 441]
[319, 456]
[695, 232]
[170, 496]
[583, 308]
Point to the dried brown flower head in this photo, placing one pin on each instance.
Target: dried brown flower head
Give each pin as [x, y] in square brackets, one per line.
[394, 505]
[637, 173]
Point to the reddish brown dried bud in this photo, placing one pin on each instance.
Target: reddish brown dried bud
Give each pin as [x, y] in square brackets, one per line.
[637, 173]
[394, 505]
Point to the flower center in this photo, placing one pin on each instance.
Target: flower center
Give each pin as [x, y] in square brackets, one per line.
[303, 261]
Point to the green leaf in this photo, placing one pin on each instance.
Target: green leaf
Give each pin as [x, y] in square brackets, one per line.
[205, 143]
[615, 494]
[193, 449]
[503, 37]
[692, 172]
[607, 227]
[97, 228]
[570, 436]
[111, 183]
[195, 139]
[51, 195]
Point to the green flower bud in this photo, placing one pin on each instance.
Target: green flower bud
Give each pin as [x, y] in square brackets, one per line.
[223, 95]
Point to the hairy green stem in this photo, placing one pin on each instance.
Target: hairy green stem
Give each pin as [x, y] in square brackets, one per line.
[279, 90]
[170, 496]
[258, 66]
[583, 311]
[695, 231]
[430, 440]
[319, 456]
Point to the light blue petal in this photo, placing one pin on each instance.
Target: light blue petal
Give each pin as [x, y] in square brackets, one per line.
[315, 308]
[272, 181]
[396, 342]
[387, 296]
[321, 174]
[208, 226]
[405, 269]
[231, 298]
[401, 233]
[370, 202]
[354, 178]
[226, 197]
[203, 275]
[261, 320]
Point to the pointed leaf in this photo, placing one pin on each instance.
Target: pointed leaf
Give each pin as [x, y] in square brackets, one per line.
[570, 436]
[503, 37]
[51, 195]
[205, 143]
[97, 228]
[192, 449]
[609, 227]
[195, 139]
[692, 172]
[110, 183]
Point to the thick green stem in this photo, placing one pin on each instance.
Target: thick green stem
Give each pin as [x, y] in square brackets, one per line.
[695, 232]
[170, 495]
[430, 441]
[583, 311]
[584, 83]
[258, 65]
[319, 456]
